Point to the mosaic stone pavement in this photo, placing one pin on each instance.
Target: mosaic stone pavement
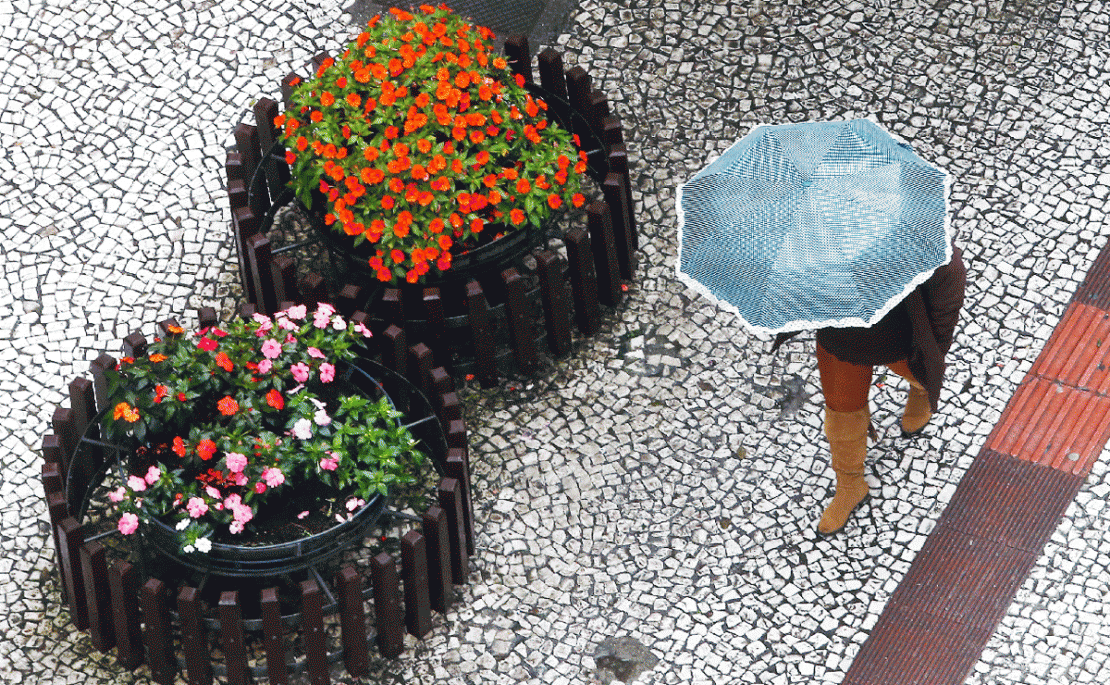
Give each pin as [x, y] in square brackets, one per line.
[663, 482]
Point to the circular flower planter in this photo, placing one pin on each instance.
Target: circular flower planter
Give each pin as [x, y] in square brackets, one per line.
[251, 600]
[500, 306]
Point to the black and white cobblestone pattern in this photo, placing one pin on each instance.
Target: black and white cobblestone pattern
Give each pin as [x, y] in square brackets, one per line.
[663, 483]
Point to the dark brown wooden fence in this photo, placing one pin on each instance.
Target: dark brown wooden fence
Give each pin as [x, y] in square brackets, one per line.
[527, 314]
[171, 628]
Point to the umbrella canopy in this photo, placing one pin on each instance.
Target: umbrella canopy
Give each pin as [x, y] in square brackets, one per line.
[812, 225]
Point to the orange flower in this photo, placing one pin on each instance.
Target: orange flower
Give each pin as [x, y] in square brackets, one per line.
[353, 99]
[126, 412]
[179, 446]
[516, 217]
[205, 449]
[158, 357]
[436, 225]
[554, 201]
[523, 186]
[160, 392]
[327, 99]
[424, 145]
[175, 329]
[578, 200]
[477, 225]
[227, 406]
[275, 400]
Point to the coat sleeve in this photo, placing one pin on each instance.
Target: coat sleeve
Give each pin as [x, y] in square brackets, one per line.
[944, 297]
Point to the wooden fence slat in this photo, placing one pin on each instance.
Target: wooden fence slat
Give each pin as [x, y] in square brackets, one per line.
[233, 166]
[613, 192]
[135, 345]
[612, 133]
[553, 79]
[262, 273]
[481, 334]
[387, 610]
[457, 468]
[123, 585]
[347, 299]
[315, 639]
[194, 638]
[232, 638]
[618, 164]
[157, 632]
[288, 83]
[285, 278]
[97, 367]
[58, 509]
[94, 574]
[583, 280]
[441, 590]
[248, 146]
[244, 224]
[600, 225]
[313, 288]
[520, 322]
[273, 638]
[70, 539]
[207, 317]
[352, 623]
[434, 318]
[450, 498]
[392, 348]
[578, 93]
[556, 309]
[420, 366]
[440, 381]
[52, 453]
[66, 430]
[274, 166]
[449, 407]
[414, 571]
[519, 56]
[393, 306]
[456, 434]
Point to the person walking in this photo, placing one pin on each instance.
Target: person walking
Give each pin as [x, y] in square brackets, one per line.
[912, 341]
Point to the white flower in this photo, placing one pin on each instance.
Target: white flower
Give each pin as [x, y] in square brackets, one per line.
[182, 524]
[321, 417]
[188, 549]
[302, 429]
[204, 545]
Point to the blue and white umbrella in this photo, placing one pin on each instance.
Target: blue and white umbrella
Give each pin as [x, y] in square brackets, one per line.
[811, 225]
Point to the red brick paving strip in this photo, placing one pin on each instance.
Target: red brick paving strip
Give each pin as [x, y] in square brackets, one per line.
[936, 623]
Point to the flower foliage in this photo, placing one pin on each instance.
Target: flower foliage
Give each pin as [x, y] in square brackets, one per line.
[420, 139]
[232, 417]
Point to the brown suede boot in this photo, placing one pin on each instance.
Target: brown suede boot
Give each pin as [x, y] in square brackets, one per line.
[918, 412]
[847, 433]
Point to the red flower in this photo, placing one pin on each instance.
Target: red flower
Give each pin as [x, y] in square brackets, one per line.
[181, 397]
[207, 344]
[205, 449]
[227, 406]
[224, 362]
[179, 446]
[275, 400]
[160, 392]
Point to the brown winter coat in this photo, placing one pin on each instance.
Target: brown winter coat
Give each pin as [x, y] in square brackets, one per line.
[918, 329]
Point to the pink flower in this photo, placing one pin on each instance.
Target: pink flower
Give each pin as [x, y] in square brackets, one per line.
[329, 463]
[213, 492]
[118, 494]
[355, 503]
[260, 487]
[196, 507]
[302, 429]
[270, 350]
[327, 373]
[286, 325]
[324, 308]
[265, 365]
[136, 483]
[302, 515]
[297, 312]
[265, 323]
[290, 338]
[273, 477]
[236, 462]
[128, 523]
[300, 372]
[238, 479]
[314, 352]
[235, 527]
[152, 475]
[360, 328]
[321, 320]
